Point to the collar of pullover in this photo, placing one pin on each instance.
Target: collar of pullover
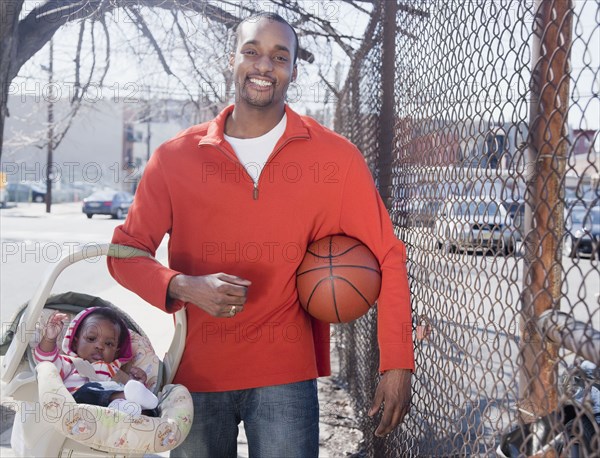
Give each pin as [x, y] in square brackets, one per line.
[295, 127]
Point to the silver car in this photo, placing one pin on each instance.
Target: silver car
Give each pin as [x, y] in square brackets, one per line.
[475, 225]
[107, 202]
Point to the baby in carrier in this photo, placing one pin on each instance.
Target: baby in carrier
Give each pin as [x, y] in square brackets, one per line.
[96, 348]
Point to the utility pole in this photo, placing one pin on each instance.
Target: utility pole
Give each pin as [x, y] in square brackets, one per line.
[148, 119]
[50, 129]
[148, 135]
[385, 158]
[546, 159]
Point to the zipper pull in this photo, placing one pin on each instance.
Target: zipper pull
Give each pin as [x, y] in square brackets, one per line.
[255, 192]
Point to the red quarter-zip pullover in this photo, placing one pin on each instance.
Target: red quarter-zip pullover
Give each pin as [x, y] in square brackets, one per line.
[315, 183]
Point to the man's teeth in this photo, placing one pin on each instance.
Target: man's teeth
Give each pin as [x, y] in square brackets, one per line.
[262, 83]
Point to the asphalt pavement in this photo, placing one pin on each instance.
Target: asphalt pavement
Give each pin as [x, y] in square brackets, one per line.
[337, 417]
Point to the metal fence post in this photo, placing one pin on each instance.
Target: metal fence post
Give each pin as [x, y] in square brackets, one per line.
[549, 105]
[388, 102]
[387, 119]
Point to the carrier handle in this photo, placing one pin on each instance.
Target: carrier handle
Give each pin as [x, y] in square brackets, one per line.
[125, 252]
[27, 324]
[172, 358]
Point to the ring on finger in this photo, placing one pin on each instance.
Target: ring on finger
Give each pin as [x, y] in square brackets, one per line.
[232, 310]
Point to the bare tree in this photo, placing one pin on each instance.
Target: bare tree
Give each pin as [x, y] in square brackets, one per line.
[21, 39]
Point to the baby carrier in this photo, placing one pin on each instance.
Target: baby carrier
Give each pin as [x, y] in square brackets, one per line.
[48, 422]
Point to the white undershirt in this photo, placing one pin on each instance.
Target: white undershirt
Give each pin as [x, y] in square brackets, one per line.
[254, 152]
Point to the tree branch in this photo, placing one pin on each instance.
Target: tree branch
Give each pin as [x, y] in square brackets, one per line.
[335, 91]
[9, 18]
[315, 19]
[78, 60]
[359, 8]
[36, 29]
[107, 56]
[143, 27]
[208, 81]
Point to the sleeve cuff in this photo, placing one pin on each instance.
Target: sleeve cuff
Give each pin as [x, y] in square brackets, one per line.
[396, 357]
[46, 355]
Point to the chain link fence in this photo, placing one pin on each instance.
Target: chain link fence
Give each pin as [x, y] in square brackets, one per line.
[480, 121]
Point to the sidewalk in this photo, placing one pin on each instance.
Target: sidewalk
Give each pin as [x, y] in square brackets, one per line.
[36, 210]
[338, 435]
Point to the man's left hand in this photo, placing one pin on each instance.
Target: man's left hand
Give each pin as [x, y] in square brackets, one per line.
[393, 392]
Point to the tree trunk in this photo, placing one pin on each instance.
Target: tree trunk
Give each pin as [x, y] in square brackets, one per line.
[9, 18]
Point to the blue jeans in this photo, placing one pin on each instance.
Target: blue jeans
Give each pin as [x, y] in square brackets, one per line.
[281, 421]
[97, 393]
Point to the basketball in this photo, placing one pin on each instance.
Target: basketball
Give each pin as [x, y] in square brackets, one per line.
[338, 280]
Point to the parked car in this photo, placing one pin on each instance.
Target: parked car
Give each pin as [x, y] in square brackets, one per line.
[582, 231]
[25, 192]
[476, 225]
[107, 202]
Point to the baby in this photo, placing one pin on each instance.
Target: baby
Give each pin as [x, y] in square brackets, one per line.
[96, 347]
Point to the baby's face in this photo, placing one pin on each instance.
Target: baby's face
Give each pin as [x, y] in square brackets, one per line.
[97, 340]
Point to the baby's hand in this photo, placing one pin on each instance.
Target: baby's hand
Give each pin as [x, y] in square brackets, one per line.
[55, 325]
[121, 377]
[138, 374]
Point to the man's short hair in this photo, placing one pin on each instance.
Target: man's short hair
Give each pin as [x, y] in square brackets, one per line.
[273, 17]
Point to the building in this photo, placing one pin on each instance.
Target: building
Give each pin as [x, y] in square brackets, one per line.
[107, 143]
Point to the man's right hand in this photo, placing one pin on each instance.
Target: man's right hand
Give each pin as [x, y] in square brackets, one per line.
[220, 295]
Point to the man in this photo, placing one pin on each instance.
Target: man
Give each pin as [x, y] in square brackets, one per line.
[241, 197]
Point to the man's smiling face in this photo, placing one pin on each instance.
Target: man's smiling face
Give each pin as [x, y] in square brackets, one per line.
[263, 63]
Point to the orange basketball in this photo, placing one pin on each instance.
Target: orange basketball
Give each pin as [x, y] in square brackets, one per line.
[338, 280]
